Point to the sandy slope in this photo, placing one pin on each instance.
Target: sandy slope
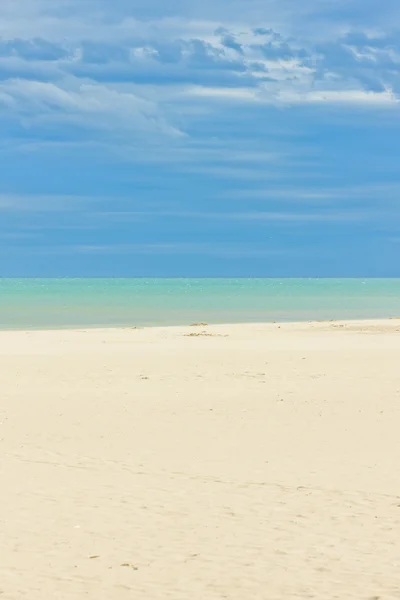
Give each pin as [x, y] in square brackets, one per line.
[254, 462]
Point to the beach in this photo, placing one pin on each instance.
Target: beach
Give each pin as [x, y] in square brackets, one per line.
[201, 462]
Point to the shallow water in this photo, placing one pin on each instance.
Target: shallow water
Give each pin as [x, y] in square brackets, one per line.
[67, 303]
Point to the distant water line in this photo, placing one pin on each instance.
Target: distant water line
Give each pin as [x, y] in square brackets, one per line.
[69, 303]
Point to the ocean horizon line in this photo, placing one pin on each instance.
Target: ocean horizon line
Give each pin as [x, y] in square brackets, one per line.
[210, 277]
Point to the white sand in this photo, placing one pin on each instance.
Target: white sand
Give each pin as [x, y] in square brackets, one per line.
[259, 462]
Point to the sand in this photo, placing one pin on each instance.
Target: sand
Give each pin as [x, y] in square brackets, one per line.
[199, 463]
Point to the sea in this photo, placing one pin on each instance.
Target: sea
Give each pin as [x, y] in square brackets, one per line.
[76, 303]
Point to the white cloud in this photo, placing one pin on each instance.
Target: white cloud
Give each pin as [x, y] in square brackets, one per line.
[359, 97]
[87, 104]
[225, 250]
[324, 214]
[226, 94]
[385, 193]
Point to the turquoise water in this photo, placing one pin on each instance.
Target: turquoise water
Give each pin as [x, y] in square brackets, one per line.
[66, 303]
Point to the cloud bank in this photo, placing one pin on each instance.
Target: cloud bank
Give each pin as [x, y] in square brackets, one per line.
[122, 67]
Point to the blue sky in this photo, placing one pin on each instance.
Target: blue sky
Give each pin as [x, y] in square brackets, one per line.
[240, 138]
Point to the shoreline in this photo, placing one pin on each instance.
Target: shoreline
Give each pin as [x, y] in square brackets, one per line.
[298, 323]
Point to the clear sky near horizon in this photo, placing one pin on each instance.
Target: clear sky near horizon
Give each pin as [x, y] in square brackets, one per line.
[212, 138]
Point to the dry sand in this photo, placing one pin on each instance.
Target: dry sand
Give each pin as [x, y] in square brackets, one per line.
[247, 462]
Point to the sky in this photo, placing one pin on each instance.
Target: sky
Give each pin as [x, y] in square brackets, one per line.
[255, 138]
